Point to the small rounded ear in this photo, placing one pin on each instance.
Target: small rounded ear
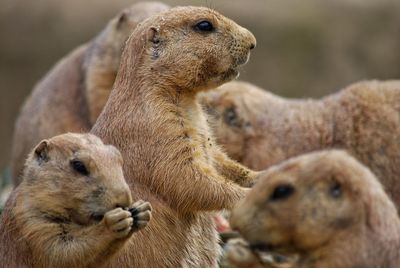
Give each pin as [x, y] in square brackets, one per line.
[122, 18]
[153, 35]
[41, 151]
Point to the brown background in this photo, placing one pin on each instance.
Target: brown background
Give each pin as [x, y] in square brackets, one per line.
[305, 48]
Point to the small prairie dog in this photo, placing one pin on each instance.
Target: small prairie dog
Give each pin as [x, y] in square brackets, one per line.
[72, 94]
[326, 209]
[260, 129]
[152, 116]
[73, 207]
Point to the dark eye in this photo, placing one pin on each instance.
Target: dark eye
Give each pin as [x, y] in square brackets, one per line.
[282, 192]
[335, 190]
[231, 118]
[78, 166]
[204, 26]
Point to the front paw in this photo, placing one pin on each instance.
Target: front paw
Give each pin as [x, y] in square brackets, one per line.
[119, 222]
[237, 254]
[141, 213]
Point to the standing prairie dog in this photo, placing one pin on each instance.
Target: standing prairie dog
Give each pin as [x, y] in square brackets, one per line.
[72, 94]
[260, 129]
[71, 209]
[325, 208]
[153, 118]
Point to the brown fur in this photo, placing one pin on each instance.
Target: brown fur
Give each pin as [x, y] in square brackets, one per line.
[70, 97]
[260, 129]
[336, 216]
[49, 219]
[153, 118]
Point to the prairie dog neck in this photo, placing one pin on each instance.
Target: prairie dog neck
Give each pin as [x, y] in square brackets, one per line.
[190, 120]
[193, 112]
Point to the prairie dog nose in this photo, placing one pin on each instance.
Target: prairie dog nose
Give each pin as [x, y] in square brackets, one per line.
[250, 38]
[123, 197]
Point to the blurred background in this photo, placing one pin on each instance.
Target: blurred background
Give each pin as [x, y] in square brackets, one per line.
[306, 48]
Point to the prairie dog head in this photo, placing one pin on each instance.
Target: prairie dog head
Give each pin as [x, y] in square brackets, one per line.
[75, 176]
[188, 48]
[309, 201]
[232, 109]
[111, 41]
[248, 123]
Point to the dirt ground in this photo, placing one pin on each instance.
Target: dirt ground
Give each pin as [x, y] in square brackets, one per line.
[305, 48]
